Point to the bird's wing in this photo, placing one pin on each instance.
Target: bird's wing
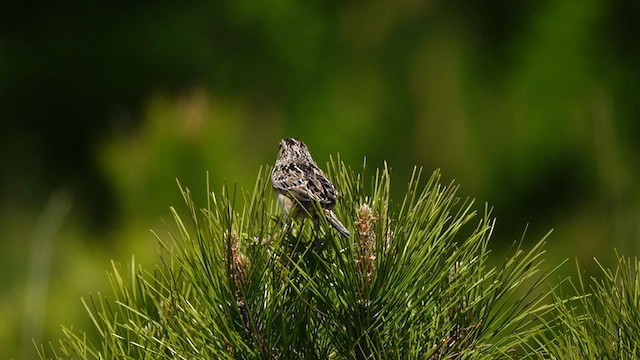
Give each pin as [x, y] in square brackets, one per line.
[306, 182]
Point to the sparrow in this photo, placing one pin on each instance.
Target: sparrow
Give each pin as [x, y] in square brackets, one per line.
[300, 185]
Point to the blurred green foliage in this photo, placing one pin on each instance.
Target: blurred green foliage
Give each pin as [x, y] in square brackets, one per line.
[530, 105]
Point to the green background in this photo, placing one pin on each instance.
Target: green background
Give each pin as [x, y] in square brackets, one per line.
[531, 106]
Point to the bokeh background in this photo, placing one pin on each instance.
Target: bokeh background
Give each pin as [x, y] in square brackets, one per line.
[531, 106]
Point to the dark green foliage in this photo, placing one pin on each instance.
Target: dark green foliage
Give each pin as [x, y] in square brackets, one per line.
[412, 282]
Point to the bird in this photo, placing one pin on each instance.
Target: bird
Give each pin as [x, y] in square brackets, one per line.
[301, 185]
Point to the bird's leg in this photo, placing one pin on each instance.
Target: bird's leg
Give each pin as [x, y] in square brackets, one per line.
[317, 242]
[286, 225]
[316, 230]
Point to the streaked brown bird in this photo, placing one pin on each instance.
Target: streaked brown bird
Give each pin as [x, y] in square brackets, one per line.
[299, 184]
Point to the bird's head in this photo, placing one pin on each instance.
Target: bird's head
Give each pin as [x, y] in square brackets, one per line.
[293, 151]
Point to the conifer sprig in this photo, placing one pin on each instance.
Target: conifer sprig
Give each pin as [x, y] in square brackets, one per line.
[233, 282]
[600, 320]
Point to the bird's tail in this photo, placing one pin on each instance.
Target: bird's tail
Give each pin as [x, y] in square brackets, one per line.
[333, 219]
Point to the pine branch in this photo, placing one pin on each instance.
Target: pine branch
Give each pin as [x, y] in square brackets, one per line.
[413, 281]
[600, 321]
